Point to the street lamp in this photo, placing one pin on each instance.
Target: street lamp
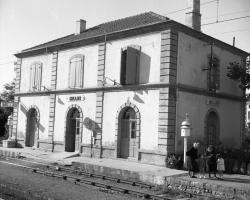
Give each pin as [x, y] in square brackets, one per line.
[185, 133]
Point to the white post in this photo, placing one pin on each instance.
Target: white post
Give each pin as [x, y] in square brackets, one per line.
[185, 150]
[185, 133]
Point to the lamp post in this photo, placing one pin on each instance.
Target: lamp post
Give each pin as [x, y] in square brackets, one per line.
[185, 133]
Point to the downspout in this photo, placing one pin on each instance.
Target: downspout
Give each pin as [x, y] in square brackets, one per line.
[105, 47]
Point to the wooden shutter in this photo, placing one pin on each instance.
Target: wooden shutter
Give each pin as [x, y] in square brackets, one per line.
[76, 72]
[131, 65]
[72, 73]
[82, 71]
[123, 67]
[38, 76]
[32, 77]
[79, 72]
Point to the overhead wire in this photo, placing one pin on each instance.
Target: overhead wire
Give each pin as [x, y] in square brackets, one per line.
[233, 31]
[231, 13]
[226, 20]
[202, 4]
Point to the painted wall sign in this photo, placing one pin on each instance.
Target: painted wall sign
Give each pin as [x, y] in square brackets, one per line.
[76, 98]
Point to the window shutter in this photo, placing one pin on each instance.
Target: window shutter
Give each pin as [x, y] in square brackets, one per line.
[32, 74]
[72, 74]
[82, 71]
[123, 67]
[76, 72]
[131, 65]
[38, 76]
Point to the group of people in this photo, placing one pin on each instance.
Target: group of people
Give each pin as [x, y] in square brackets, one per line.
[208, 161]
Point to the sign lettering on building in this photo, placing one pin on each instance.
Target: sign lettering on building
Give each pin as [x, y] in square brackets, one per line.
[76, 98]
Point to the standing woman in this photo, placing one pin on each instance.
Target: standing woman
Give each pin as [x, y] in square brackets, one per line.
[192, 155]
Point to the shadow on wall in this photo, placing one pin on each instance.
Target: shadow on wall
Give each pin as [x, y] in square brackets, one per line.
[138, 95]
[92, 126]
[25, 110]
[144, 70]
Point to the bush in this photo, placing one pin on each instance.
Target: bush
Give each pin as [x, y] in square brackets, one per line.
[174, 161]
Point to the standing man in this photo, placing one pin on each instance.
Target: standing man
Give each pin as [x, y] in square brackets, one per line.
[192, 155]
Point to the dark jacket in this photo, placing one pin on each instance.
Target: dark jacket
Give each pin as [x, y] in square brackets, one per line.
[192, 154]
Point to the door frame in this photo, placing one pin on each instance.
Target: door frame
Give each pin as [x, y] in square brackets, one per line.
[69, 110]
[137, 119]
[36, 134]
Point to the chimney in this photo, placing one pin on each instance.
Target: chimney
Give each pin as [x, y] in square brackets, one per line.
[193, 16]
[80, 26]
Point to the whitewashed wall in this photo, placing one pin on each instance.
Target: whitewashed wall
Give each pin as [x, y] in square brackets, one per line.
[46, 61]
[190, 72]
[42, 102]
[62, 105]
[90, 66]
[193, 58]
[150, 45]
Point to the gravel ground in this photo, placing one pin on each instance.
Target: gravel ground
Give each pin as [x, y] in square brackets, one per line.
[16, 182]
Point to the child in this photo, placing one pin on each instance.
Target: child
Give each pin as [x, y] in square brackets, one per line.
[220, 165]
[202, 165]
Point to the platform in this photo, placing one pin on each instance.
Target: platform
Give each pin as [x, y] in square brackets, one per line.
[232, 186]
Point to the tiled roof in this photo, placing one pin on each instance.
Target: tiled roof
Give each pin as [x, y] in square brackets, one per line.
[136, 21]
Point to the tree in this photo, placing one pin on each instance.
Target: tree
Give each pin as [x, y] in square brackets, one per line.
[239, 73]
[6, 96]
[8, 92]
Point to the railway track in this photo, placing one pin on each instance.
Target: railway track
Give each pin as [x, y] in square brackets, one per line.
[105, 183]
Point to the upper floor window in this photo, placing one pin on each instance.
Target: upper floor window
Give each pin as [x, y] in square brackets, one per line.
[35, 76]
[135, 66]
[213, 75]
[76, 71]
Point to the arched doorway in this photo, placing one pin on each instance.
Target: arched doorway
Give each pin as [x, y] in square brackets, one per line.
[127, 144]
[212, 128]
[73, 130]
[32, 128]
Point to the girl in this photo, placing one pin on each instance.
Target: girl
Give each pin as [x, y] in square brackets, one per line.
[220, 165]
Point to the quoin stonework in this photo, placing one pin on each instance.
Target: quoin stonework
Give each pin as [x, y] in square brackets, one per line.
[121, 90]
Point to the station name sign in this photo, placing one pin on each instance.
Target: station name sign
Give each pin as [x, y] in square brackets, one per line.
[76, 98]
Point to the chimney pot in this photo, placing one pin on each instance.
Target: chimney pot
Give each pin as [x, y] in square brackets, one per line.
[193, 16]
[80, 26]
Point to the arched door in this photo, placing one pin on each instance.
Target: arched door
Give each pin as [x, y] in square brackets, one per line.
[212, 128]
[127, 134]
[32, 128]
[73, 135]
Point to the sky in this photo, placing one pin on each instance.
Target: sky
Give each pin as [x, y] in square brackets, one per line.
[26, 23]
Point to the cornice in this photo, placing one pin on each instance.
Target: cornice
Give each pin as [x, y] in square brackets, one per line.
[152, 86]
[153, 28]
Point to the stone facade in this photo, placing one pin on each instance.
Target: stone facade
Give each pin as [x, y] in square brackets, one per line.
[171, 79]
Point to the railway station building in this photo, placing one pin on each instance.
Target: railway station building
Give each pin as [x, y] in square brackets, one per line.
[121, 90]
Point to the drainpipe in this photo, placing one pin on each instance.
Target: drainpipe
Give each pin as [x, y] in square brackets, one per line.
[105, 49]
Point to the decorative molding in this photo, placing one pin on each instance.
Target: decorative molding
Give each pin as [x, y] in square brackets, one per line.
[81, 122]
[36, 138]
[126, 105]
[152, 86]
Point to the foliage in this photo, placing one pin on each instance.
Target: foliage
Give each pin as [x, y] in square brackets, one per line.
[8, 92]
[7, 96]
[239, 73]
[174, 161]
